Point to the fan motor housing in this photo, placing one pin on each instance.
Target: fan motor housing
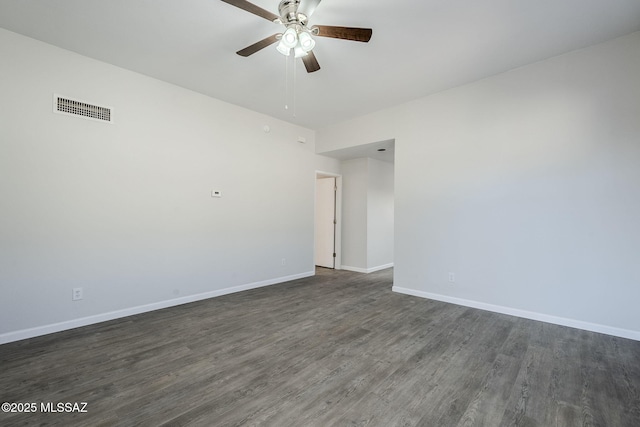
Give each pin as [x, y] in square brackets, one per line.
[289, 11]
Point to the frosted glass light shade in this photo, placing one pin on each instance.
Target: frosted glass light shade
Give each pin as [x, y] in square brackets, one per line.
[283, 49]
[307, 42]
[299, 52]
[290, 38]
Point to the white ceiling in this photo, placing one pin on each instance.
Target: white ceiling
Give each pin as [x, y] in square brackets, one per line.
[418, 46]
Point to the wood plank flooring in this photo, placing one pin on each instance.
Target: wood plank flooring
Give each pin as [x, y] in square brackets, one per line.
[337, 349]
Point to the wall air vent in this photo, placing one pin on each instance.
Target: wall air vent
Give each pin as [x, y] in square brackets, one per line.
[82, 109]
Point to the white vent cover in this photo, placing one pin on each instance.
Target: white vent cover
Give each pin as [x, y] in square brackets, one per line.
[74, 107]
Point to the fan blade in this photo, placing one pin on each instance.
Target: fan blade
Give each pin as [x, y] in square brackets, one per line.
[252, 8]
[345, 33]
[250, 50]
[310, 62]
[308, 7]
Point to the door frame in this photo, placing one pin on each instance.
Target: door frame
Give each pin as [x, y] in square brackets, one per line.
[338, 228]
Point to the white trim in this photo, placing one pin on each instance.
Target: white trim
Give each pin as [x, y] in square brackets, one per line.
[562, 321]
[90, 320]
[356, 269]
[367, 270]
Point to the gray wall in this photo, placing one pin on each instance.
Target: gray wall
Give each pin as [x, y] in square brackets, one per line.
[380, 210]
[124, 210]
[367, 208]
[354, 214]
[525, 185]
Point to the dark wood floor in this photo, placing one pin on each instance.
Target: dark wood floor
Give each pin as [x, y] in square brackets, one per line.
[337, 349]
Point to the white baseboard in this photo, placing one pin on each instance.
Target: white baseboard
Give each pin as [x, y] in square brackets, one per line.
[366, 270]
[103, 317]
[562, 321]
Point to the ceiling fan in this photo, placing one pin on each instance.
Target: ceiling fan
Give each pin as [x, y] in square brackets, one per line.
[297, 36]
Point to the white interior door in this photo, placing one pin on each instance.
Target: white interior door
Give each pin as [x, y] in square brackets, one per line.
[325, 222]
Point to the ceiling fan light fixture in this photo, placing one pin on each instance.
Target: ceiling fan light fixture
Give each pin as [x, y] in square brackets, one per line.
[297, 34]
[290, 38]
[286, 51]
[307, 43]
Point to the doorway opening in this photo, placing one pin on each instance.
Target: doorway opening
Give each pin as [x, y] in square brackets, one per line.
[327, 220]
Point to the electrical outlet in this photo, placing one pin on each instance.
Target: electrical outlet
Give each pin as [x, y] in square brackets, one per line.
[284, 261]
[76, 294]
[452, 277]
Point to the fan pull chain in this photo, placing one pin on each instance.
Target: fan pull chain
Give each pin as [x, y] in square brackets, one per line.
[294, 87]
[287, 96]
[286, 82]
